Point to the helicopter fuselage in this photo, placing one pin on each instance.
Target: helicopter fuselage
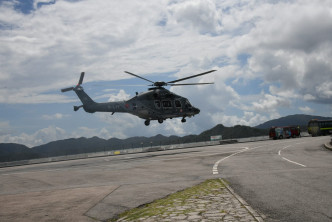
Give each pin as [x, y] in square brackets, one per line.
[156, 104]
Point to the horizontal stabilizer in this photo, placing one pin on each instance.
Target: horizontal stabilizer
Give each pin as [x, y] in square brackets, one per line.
[77, 107]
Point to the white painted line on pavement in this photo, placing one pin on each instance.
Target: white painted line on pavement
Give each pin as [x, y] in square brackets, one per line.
[294, 162]
[215, 166]
[279, 153]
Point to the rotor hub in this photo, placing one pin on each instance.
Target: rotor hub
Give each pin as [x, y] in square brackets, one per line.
[160, 84]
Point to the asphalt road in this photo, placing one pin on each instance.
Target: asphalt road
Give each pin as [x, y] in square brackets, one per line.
[286, 180]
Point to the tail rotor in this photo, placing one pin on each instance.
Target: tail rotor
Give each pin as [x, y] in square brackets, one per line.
[72, 88]
[67, 89]
[81, 79]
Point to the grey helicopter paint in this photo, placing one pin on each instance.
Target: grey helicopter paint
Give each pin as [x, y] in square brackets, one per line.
[157, 103]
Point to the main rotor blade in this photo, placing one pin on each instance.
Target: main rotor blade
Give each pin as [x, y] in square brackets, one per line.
[138, 76]
[115, 85]
[189, 77]
[81, 79]
[190, 84]
[67, 89]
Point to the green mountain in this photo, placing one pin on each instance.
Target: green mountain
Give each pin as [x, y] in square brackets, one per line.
[237, 131]
[297, 120]
[11, 152]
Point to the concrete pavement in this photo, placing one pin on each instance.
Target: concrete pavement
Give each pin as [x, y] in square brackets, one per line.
[271, 175]
[328, 145]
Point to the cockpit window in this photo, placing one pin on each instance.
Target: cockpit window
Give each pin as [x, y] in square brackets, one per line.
[177, 103]
[187, 104]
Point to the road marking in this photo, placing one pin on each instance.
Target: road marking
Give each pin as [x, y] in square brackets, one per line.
[294, 162]
[291, 161]
[279, 152]
[215, 166]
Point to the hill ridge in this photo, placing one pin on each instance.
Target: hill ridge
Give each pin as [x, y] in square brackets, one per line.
[296, 119]
[11, 152]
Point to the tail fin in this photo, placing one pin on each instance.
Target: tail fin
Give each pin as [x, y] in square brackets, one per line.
[86, 100]
[78, 89]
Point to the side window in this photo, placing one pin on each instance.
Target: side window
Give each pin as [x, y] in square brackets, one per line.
[177, 104]
[157, 104]
[167, 104]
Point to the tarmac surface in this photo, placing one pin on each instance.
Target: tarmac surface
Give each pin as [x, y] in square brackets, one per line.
[285, 180]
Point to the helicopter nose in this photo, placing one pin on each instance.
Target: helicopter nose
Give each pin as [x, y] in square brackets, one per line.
[196, 110]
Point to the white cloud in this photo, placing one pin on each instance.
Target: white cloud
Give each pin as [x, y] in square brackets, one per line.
[37, 2]
[244, 40]
[282, 47]
[325, 90]
[306, 109]
[55, 116]
[41, 136]
[84, 131]
[122, 95]
[285, 93]
[199, 14]
[248, 119]
[308, 97]
[290, 50]
[270, 103]
[5, 128]
[52, 133]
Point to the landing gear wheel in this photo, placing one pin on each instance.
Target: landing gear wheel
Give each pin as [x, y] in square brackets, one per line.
[183, 120]
[160, 121]
[147, 122]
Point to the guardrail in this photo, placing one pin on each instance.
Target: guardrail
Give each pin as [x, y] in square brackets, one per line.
[132, 150]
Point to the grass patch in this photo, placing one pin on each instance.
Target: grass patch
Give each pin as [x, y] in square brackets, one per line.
[179, 199]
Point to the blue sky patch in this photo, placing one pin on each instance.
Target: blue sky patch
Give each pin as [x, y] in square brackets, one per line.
[243, 59]
[27, 6]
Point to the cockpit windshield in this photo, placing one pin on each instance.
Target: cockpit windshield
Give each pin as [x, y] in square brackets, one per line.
[187, 104]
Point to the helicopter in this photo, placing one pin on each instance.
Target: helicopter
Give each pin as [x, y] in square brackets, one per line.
[157, 103]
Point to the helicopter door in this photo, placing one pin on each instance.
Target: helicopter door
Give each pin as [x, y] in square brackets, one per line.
[157, 104]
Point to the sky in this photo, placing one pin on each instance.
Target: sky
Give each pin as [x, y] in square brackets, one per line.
[273, 59]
